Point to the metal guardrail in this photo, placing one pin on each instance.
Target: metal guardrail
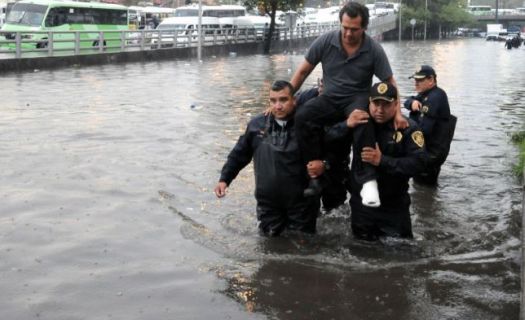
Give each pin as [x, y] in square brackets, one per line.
[62, 43]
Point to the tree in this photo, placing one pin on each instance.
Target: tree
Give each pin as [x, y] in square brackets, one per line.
[441, 15]
[269, 8]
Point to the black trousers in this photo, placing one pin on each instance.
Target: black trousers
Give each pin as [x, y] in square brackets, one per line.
[322, 111]
[391, 219]
[429, 177]
[273, 220]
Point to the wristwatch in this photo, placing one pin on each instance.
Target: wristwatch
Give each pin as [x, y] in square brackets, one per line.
[326, 165]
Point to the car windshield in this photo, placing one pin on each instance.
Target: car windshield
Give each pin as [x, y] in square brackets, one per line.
[27, 13]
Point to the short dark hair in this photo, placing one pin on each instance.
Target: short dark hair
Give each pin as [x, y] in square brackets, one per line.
[353, 10]
[281, 84]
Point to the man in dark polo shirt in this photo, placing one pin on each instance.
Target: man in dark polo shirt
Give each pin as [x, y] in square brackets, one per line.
[350, 59]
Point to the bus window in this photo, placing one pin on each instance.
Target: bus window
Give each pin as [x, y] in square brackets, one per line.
[27, 13]
[56, 17]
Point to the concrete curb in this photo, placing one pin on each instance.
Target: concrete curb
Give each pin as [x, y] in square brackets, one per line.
[29, 64]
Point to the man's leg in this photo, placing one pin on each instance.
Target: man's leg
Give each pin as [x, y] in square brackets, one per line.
[310, 120]
[334, 191]
[271, 221]
[302, 216]
[364, 136]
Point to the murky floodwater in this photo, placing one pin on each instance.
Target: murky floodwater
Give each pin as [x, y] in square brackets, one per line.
[107, 207]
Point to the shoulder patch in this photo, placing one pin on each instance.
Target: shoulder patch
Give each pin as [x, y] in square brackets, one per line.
[398, 136]
[417, 137]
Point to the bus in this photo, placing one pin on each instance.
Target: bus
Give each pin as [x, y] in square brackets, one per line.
[479, 10]
[35, 18]
[148, 17]
[224, 11]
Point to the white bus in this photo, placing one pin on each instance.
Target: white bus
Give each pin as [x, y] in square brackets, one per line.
[224, 11]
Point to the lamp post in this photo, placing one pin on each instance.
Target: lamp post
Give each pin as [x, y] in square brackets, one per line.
[413, 24]
[399, 14]
[199, 31]
[425, 28]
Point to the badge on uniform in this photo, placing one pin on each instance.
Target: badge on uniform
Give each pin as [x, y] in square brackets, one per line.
[398, 136]
[417, 137]
[382, 88]
[424, 109]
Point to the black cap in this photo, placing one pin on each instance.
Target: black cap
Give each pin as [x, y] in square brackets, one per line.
[423, 72]
[383, 91]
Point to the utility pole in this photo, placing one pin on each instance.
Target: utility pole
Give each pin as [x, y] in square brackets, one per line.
[199, 33]
[399, 14]
[425, 28]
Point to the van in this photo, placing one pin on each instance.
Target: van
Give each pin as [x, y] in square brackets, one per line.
[261, 25]
[239, 28]
[183, 32]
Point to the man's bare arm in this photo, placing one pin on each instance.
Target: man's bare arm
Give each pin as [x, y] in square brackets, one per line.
[304, 70]
[399, 121]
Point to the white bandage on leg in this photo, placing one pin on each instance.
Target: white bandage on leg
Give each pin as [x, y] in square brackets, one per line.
[370, 194]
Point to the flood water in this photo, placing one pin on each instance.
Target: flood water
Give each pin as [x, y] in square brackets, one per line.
[108, 213]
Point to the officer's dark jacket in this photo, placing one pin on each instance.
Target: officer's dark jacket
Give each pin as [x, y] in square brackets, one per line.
[280, 175]
[434, 118]
[403, 156]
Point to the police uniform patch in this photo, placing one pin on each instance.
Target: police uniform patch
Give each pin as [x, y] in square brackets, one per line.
[382, 88]
[417, 137]
[398, 136]
[424, 109]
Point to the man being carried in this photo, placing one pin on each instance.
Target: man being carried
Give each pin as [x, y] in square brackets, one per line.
[350, 59]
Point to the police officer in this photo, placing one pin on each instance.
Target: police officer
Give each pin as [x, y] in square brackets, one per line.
[397, 155]
[430, 109]
[280, 175]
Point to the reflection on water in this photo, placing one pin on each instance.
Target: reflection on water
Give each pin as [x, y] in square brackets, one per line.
[108, 211]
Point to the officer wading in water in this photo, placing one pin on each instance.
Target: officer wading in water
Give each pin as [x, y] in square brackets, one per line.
[280, 175]
[430, 109]
[398, 155]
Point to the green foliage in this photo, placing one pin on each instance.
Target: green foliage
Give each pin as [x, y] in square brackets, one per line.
[265, 6]
[270, 7]
[448, 14]
[519, 139]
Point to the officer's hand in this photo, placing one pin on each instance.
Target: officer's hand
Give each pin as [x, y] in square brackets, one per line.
[315, 168]
[371, 155]
[220, 189]
[416, 105]
[356, 118]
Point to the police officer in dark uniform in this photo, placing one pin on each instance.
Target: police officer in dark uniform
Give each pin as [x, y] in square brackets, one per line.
[430, 109]
[398, 155]
[280, 175]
